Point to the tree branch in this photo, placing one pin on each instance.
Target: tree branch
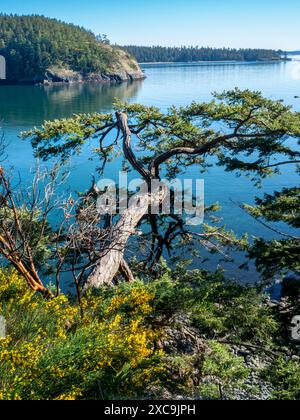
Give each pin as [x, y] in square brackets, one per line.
[130, 156]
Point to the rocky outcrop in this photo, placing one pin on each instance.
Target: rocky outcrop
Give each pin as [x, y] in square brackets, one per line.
[124, 68]
[61, 75]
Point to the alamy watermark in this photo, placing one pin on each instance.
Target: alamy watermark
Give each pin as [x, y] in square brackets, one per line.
[296, 328]
[2, 68]
[176, 197]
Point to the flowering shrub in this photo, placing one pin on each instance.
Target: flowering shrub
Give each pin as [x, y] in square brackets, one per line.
[137, 340]
[13, 288]
[63, 355]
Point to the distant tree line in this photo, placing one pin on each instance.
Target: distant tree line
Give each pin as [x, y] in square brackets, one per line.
[186, 54]
[32, 44]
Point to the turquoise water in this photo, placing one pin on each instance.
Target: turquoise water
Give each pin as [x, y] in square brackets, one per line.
[22, 107]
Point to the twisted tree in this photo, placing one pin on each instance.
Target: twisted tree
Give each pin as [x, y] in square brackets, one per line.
[241, 130]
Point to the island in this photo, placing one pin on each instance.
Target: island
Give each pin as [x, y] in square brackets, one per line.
[158, 54]
[39, 50]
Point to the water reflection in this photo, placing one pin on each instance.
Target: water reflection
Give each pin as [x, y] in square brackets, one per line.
[295, 68]
[31, 105]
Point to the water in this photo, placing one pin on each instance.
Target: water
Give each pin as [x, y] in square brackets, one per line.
[22, 107]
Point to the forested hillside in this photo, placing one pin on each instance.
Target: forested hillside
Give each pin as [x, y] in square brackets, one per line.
[184, 54]
[38, 48]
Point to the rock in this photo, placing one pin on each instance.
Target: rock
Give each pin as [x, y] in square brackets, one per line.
[272, 304]
[123, 68]
[243, 353]
[255, 363]
[61, 75]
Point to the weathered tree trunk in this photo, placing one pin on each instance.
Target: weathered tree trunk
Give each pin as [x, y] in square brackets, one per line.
[126, 271]
[111, 261]
[112, 256]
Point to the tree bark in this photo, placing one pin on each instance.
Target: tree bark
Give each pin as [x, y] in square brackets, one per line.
[112, 256]
[111, 260]
[126, 272]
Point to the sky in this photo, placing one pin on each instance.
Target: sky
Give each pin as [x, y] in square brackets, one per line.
[216, 23]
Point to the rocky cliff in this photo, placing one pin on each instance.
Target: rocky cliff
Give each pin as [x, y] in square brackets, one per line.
[124, 68]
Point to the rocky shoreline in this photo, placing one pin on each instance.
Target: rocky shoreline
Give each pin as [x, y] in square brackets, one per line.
[70, 77]
[56, 75]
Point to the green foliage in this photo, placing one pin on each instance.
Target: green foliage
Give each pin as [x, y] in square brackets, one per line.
[188, 54]
[280, 256]
[276, 257]
[284, 375]
[281, 206]
[67, 135]
[108, 347]
[250, 132]
[222, 372]
[34, 44]
[217, 307]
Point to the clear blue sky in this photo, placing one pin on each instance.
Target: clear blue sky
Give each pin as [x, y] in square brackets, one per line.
[216, 23]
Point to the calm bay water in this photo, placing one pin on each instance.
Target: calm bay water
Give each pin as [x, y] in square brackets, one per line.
[22, 107]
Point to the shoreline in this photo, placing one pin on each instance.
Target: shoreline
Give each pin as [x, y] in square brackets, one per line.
[47, 83]
[215, 61]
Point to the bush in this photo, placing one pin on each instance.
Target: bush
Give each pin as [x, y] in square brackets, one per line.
[52, 352]
[284, 375]
[136, 340]
[217, 307]
[222, 372]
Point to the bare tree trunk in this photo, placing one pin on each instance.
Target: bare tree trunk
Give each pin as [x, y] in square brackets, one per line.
[126, 271]
[112, 258]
